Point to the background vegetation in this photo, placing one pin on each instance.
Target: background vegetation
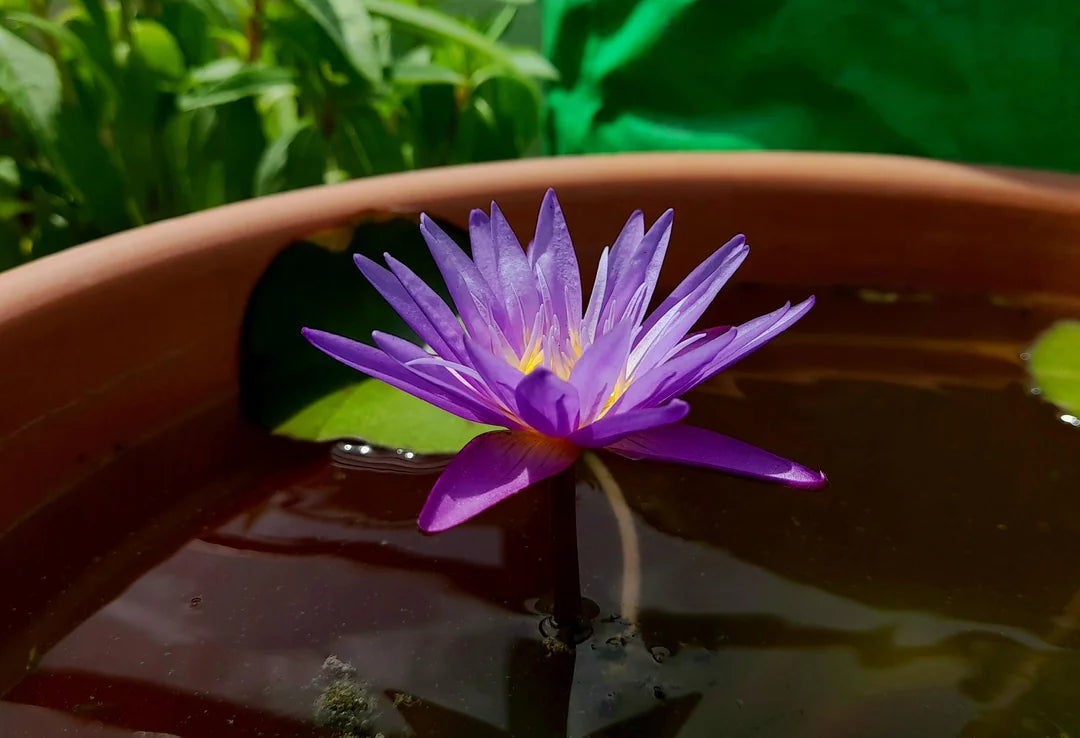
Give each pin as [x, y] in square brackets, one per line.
[115, 114]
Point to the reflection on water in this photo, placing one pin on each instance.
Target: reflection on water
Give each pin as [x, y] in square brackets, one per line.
[932, 590]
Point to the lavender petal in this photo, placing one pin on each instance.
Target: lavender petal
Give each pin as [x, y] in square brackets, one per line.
[548, 404]
[553, 256]
[616, 426]
[685, 444]
[490, 468]
[375, 363]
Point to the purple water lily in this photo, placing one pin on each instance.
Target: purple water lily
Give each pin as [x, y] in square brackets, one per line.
[561, 376]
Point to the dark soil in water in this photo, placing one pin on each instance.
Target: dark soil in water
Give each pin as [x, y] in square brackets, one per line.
[218, 582]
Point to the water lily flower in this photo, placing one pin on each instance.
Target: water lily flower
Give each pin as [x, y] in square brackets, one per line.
[561, 376]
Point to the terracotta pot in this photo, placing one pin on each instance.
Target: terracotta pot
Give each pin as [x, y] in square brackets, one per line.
[108, 343]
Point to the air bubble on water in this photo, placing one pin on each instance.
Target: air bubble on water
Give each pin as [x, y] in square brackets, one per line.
[1070, 420]
[659, 654]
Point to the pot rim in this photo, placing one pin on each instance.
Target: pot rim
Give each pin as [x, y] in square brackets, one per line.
[290, 215]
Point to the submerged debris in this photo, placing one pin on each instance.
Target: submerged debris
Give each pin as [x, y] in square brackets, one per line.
[345, 703]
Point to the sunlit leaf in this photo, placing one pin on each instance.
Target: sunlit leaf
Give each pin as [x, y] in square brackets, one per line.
[228, 80]
[158, 49]
[426, 74]
[1055, 365]
[433, 24]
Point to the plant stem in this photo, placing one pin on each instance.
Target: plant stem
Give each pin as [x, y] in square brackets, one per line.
[255, 30]
[566, 610]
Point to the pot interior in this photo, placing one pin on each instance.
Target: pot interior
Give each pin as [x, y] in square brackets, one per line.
[215, 579]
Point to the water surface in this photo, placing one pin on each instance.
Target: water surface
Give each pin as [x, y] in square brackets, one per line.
[933, 589]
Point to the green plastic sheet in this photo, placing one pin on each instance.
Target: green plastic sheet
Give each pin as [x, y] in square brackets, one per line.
[988, 81]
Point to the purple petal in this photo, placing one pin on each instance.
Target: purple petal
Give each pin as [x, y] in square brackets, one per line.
[472, 295]
[658, 339]
[515, 275]
[730, 255]
[375, 363]
[548, 404]
[626, 244]
[616, 426]
[597, 371]
[596, 299]
[639, 269]
[399, 298]
[754, 334]
[679, 373]
[490, 468]
[483, 248]
[685, 444]
[553, 256]
[440, 315]
[501, 377]
[458, 382]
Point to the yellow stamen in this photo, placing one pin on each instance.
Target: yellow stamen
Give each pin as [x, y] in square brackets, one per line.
[532, 360]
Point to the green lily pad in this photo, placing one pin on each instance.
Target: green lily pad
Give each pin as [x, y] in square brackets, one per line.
[1055, 365]
[292, 389]
[384, 414]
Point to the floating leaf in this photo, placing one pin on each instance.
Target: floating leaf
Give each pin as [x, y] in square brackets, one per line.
[383, 415]
[1055, 365]
[290, 387]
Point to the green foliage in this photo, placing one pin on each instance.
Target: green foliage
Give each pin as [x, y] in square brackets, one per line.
[115, 113]
[1055, 365]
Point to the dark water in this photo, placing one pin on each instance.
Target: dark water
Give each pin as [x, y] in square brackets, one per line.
[932, 590]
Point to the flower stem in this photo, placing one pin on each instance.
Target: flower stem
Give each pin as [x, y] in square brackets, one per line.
[566, 610]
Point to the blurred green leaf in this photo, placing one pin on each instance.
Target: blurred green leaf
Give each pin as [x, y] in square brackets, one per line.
[74, 46]
[120, 114]
[158, 50]
[502, 117]
[228, 80]
[221, 13]
[433, 24]
[192, 30]
[363, 144]
[95, 10]
[1055, 365]
[349, 26]
[30, 82]
[10, 181]
[295, 159]
[426, 74]
[93, 172]
[529, 63]
[502, 20]
[382, 415]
